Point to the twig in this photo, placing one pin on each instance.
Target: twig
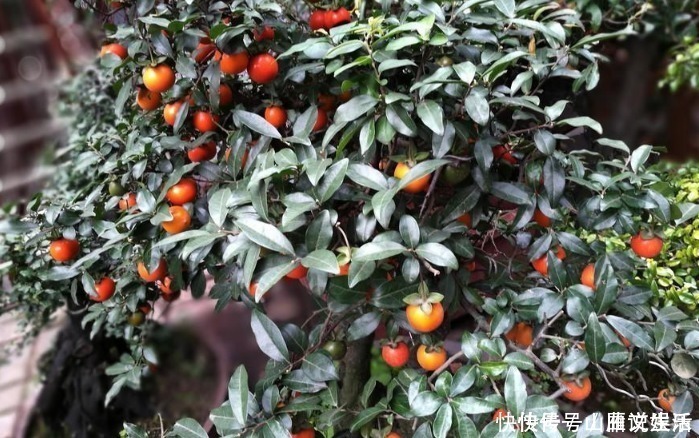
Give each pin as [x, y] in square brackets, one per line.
[621, 391]
[543, 367]
[429, 267]
[430, 191]
[454, 357]
[546, 326]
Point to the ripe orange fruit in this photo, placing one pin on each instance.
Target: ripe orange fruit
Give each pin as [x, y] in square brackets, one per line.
[337, 17]
[156, 274]
[345, 96]
[326, 102]
[276, 116]
[317, 19]
[116, 49]
[666, 399]
[578, 392]
[542, 263]
[298, 273]
[304, 433]
[321, 121]
[159, 78]
[395, 355]
[170, 112]
[344, 270]
[263, 68]
[431, 360]
[165, 285]
[466, 219]
[234, 63]
[170, 297]
[500, 413]
[541, 219]
[588, 276]
[147, 100]
[204, 152]
[63, 250]
[416, 186]
[393, 435]
[128, 202]
[521, 334]
[504, 153]
[225, 95]
[252, 289]
[205, 121]
[265, 34]
[181, 220]
[648, 247]
[425, 322]
[104, 289]
[204, 50]
[183, 192]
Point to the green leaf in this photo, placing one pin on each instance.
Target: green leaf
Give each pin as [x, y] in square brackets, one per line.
[595, 342]
[582, 121]
[466, 71]
[269, 337]
[378, 251]
[545, 142]
[344, 48]
[437, 254]
[510, 192]
[390, 294]
[319, 367]
[391, 64]
[400, 120]
[367, 176]
[323, 260]
[332, 180]
[189, 428]
[320, 232]
[360, 271]
[257, 123]
[631, 331]
[639, 157]
[574, 362]
[477, 108]
[355, 108]
[507, 7]
[431, 115]
[664, 336]
[364, 417]
[367, 135]
[363, 326]
[238, 394]
[218, 209]
[409, 230]
[464, 378]
[265, 235]
[426, 403]
[515, 391]
[442, 421]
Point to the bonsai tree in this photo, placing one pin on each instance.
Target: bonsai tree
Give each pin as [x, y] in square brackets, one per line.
[419, 167]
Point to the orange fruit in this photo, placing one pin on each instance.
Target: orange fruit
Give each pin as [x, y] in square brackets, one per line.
[431, 360]
[181, 220]
[156, 274]
[267, 33]
[541, 219]
[252, 289]
[225, 95]
[521, 334]
[542, 263]
[63, 250]
[317, 19]
[235, 63]
[304, 433]
[298, 273]
[204, 121]
[326, 102]
[666, 399]
[587, 277]
[416, 186]
[500, 413]
[159, 78]
[648, 247]
[504, 153]
[170, 112]
[344, 269]
[104, 289]
[422, 321]
[204, 50]
[147, 100]
[321, 121]
[204, 152]
[466, 219]
[183, 192]
[393, 435]
[276, 116]
[578, 391]
[263, 68]
[116, 49]
[127, 202]
[395, 355]
[165, 285]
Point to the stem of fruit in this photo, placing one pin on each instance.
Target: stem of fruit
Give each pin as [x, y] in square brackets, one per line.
[454, 357]
[543, 367]
[430, 191]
